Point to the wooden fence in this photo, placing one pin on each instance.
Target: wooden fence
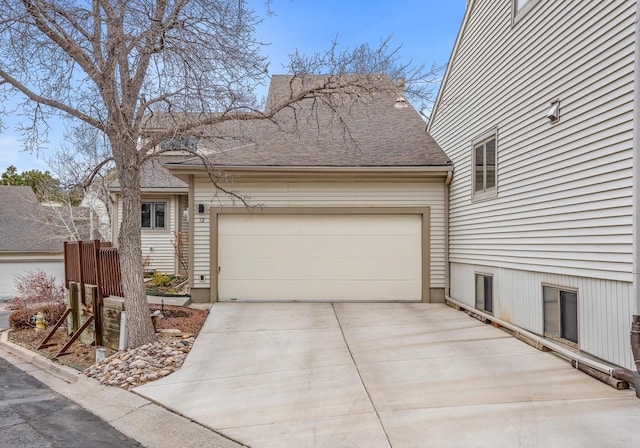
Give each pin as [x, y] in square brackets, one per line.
[88, 263]
[93, 263]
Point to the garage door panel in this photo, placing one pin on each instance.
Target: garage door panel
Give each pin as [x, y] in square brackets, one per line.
[315, 245]
[318, 269]
[322, 225]
[320, 290]
[320, 257]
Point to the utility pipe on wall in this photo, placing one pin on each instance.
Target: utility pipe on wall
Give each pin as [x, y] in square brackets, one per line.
[577, 359]
[447, 268]
[635, 326]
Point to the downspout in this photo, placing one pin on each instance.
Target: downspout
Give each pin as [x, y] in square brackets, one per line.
[447, 189]
[635, 324]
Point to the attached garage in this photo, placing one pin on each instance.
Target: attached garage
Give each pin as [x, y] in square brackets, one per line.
[306, 254]
[326, 202]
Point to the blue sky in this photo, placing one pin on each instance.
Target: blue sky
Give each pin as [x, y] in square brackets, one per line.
[426, 30]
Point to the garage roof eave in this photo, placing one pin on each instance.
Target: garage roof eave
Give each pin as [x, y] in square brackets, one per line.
[292, 171]
[143, 190]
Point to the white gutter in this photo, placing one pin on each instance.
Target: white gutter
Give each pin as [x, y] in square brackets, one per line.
[540, 341]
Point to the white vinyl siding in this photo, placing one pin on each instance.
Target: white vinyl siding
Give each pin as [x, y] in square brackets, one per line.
[158, 251]
[183, 229]
[322, 194]
[604, 311]
[565, 191]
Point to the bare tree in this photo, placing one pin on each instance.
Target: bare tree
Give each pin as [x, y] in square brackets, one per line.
[52, 209]
[116, 64]
[74, 164]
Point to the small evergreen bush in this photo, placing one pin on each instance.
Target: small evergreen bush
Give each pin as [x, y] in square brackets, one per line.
[160, 279]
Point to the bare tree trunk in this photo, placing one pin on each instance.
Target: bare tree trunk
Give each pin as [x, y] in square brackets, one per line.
[140, 327]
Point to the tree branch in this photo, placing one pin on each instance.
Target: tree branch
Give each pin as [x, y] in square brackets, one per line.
[89, 180]
[51, 103]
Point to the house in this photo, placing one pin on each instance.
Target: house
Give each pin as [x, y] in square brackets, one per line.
[536, 112]
[27, 244]
[163, 216]
[342, 202]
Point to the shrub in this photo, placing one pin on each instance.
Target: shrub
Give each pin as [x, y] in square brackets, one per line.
[160, 279]
[23, 317]
[38, 292]
[38, 287]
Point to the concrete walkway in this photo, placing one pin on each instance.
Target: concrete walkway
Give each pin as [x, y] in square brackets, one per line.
[386, 375]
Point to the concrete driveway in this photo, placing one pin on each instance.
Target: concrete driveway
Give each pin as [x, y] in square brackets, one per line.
[386, 375]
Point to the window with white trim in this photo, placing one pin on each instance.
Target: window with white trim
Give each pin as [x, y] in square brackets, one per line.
[153, 215]
[560, 313]
[484, 292]
[520, 7]
[484, 167]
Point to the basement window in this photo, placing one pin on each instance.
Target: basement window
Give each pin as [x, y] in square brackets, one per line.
[484, 292]
[561, 313]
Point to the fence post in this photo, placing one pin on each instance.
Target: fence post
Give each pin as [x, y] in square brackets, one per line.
[72, 295]
[98, 302]
[83, 296]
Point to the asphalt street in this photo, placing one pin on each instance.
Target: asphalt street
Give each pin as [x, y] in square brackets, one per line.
[4, 313]
[33, 415]
[4, 319]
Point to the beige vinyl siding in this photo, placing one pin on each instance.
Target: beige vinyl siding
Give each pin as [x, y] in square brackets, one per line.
[157, 244]
[603, 325]
[322, 194]
[183, 219]
[564, 190]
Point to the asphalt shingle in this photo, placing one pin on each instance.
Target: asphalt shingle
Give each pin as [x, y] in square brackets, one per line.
[21, 227]
[375, 128]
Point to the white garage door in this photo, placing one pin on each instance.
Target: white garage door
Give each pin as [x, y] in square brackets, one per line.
[273, 257]
[9, 271]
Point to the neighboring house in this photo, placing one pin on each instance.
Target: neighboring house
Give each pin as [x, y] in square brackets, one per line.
[163, 217]
[27, 244]
[536, 111]
[344, 205]
[99, 216]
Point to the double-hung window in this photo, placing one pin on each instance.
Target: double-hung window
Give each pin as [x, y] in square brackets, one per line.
[153, 215]
[484, 167]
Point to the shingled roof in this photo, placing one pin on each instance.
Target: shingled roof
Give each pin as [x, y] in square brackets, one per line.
[19, 229]
[155, 177]
[376, 129]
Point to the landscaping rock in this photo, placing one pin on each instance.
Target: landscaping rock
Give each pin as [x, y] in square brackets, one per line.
[132, 368]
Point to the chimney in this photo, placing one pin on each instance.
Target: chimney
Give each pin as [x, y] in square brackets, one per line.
[401, 100]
